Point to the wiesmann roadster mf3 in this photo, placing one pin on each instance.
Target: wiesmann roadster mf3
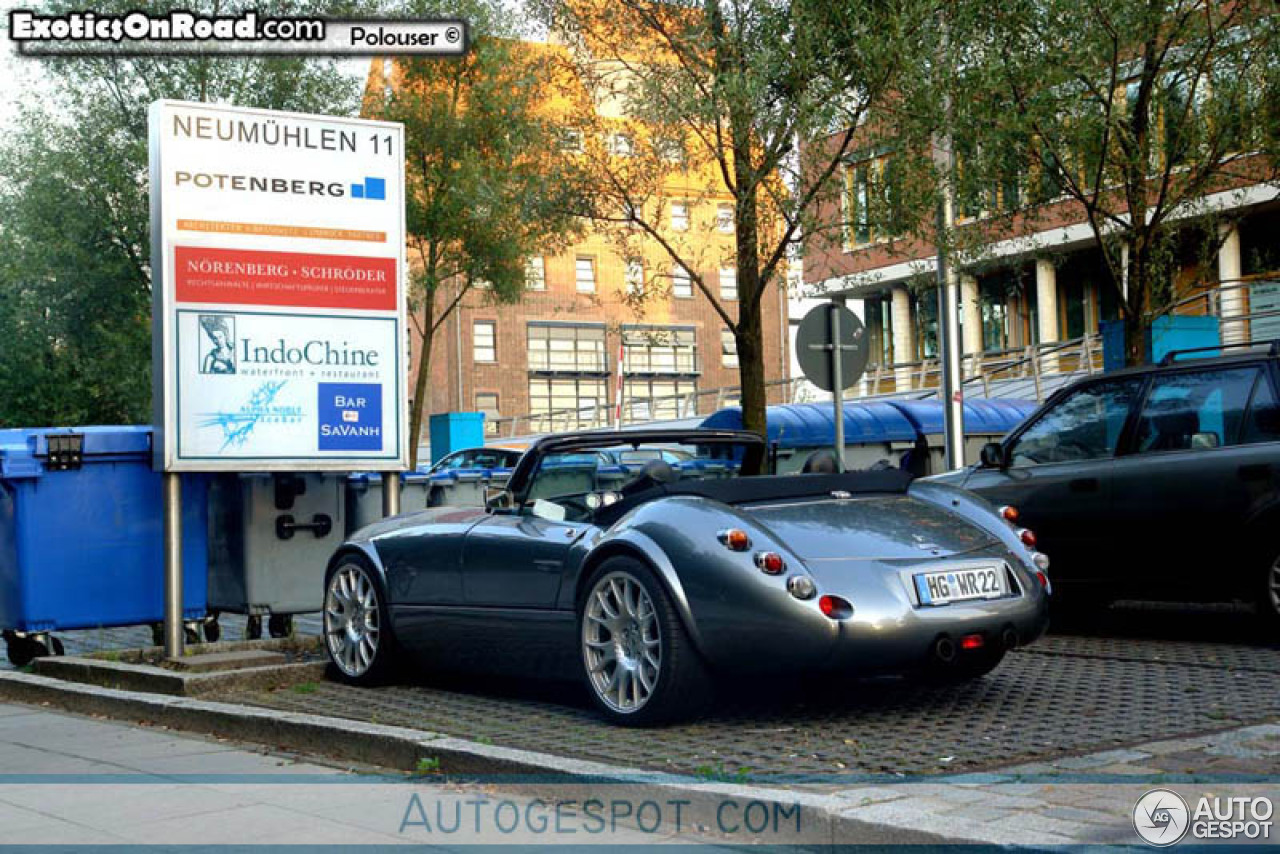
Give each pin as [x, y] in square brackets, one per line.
[645, 580]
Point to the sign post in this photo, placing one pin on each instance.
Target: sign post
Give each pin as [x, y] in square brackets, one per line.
[278, 300]
[832, 351]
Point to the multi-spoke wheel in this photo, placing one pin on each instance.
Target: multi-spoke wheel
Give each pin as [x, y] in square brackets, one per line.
[356, 631]
[637, 659]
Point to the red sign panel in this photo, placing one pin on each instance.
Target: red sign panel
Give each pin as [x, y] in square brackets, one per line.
[292, 279]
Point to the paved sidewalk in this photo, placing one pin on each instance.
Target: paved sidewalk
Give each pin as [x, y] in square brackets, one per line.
[66, 779]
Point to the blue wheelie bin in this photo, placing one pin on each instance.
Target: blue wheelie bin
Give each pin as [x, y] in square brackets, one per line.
[81, 535]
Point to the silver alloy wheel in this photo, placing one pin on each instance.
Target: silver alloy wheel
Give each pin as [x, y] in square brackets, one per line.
[352, 626]
[621, 642]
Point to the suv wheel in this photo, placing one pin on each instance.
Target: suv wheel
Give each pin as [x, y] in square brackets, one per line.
[1269, 595]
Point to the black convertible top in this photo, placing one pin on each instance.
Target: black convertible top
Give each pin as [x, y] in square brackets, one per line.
[748, 490]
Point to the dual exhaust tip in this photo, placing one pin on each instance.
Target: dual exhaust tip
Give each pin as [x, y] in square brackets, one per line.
[945, 649]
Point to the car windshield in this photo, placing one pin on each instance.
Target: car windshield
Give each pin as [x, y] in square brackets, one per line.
[573, 484]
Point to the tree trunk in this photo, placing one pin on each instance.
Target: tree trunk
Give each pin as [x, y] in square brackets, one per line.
[419, 406]
[750, 341]
[1136, 323]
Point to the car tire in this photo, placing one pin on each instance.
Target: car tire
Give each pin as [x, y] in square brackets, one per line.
[626, 622]
[1268, 596]
[356, 625]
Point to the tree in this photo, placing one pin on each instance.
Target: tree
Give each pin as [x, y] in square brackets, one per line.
[1136, 112]
[713, 97]
[75, 273]
[486, 183]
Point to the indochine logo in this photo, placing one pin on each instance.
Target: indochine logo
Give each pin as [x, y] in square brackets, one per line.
[372, 188]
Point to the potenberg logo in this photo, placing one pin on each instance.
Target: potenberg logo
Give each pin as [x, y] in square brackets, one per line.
[1161, 817]
[372, 188]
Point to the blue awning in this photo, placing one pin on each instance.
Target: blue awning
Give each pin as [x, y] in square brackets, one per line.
[981, 417]
[812, 425]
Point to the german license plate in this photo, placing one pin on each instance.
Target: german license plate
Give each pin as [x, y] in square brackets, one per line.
[959, 585]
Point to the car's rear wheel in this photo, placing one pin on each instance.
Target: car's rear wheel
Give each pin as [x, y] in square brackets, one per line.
[357, 630]
[638, 662]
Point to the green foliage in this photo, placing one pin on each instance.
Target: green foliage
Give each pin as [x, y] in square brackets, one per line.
[75, 294]
[427, 765]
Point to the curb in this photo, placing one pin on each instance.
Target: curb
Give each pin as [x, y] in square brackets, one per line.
[159, 680]
[401, 749]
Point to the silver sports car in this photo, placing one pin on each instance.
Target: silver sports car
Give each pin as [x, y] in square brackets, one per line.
[644, 580]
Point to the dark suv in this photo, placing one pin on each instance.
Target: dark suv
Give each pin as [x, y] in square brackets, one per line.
[1160, 482]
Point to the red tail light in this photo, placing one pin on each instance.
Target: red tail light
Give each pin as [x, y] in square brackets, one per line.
[835, 607]
[1009, 512]
[770, 563]
[971, 642]
[1043, 578]
[1028, 537]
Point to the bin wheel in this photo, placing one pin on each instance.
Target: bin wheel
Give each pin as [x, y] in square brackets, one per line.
[253, 628]
[157, 634]
[280, 625]
[212, 631]
[56, 644]
[20, 651]
[190, 634]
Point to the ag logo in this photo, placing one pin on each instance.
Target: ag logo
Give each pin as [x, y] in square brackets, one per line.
[1161, 817]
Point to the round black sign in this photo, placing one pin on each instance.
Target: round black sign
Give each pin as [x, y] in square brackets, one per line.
[814, 355]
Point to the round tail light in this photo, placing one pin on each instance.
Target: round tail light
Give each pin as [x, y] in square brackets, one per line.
[1028, 537]
[735, 539]
[835, 607]
[1044, 581]
[1009, 512]
[770, 563]
[801, 587]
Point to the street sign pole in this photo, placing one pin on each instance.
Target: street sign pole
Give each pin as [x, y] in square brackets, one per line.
[837, 391]
[173, 638]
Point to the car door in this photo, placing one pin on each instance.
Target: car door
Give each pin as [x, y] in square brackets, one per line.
[1059, 475]
[515, 558]
[1183, 486]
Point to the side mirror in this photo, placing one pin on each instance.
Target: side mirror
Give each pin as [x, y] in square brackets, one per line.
[992, 456]
[499, 501]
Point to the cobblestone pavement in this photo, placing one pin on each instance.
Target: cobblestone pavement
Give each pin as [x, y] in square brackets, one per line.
[1068, 695]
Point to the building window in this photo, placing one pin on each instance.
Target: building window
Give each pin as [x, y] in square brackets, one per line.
[728, 349]
[535, 273]
[585, 274]
[635, 277]
[681, 282]
[487, 402]
[668, 149]
[567, 348]
[645, 399]
[869, 202]
[679, 216]
[484, 341]
[567, 403]
[630, 214]
[724, 218]
[728, 283]
[659, 350]
[621, 144]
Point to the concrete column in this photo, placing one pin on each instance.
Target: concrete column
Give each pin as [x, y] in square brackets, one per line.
[1047, 309]
[904, 335]
[1231, 297]
[971, 319]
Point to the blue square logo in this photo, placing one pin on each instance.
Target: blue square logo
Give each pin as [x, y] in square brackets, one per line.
[375, 188]
[357, 191]
[350, 417]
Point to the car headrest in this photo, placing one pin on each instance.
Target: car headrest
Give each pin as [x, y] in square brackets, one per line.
[660, 471]
[821, 462]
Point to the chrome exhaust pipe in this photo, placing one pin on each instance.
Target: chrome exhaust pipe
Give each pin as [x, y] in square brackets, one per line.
[945, 649]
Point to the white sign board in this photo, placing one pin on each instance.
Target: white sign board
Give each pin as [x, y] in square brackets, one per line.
[278, 295]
